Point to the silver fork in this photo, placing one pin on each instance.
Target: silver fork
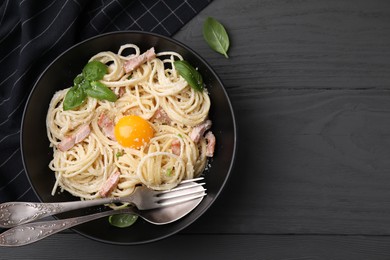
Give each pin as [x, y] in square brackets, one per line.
[17, 213]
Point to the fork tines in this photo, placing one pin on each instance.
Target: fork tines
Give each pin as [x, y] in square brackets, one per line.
[185, 191]
[191, 180]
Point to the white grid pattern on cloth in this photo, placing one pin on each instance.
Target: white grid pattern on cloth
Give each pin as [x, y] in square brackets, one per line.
[135, 11]
[17, 42]
[159, 22]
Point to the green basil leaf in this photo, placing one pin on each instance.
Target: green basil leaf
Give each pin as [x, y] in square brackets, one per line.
[94, 70]
[100, 91]
[74, 98]
[216, 36]
[190, 74]
[85, 84]
[78, 79]
[122, 220]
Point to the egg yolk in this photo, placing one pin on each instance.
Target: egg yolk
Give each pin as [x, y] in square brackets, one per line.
[133, 131]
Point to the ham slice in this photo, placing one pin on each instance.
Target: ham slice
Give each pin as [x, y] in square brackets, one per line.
[110, 184]
[137, 61]
[66, 143]
[161, 116]
[82, 133]
[78, 136]
[122, 91]
[211, 140]
[199, 130]
[175, 146]
[107, 126]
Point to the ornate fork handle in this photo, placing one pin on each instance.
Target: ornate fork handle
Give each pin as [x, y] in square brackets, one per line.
[32, 232]
[17, 213]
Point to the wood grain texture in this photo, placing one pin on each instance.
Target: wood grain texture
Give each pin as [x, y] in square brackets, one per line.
[225, 247]
[308, 162]
[309, 81]
[299, 43]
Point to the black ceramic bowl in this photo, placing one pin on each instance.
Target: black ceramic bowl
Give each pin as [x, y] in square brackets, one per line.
[36, 152]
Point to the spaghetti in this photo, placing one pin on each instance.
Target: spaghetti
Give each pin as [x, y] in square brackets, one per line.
[153, 91]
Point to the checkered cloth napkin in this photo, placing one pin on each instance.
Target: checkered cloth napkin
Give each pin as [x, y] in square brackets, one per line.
[33, 33]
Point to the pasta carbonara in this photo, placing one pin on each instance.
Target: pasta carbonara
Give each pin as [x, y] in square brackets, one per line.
[154, 134]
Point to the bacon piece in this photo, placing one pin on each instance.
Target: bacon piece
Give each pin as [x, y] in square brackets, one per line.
[69, 141]
[107, 126]
[82, 133]
[110, 184]
[175, 146]
[161, 116]
[122, 91]
[66, 143]
[199, 130]
[210, 139]
[150, 54]
[135, 62]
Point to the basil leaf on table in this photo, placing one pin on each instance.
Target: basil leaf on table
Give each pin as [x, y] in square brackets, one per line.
[216, 36]
[100, 91]
[74, 98]
[190, 74]
[122, 220]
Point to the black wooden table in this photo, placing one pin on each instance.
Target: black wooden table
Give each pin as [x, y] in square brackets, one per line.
[310, 84]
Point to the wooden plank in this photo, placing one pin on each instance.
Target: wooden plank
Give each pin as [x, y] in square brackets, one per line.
[309, 82]
[311, 162]
[299, 44]
[198, 247]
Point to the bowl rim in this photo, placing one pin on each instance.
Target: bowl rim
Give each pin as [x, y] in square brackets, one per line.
[211, 70]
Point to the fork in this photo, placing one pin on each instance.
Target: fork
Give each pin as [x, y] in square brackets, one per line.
[16, 213]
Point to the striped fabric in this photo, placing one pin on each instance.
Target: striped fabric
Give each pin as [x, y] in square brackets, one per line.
[33, 33]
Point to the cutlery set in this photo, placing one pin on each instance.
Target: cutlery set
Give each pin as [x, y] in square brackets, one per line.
[156, 207]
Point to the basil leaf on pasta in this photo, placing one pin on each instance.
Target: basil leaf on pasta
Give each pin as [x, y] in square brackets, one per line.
[100, 91]
[216, 36]
[81, 82]
[78, 79]
[94, 70]
[74, 98]
[190, 74]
